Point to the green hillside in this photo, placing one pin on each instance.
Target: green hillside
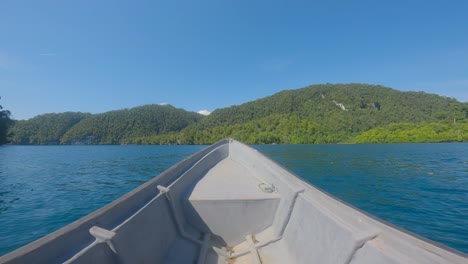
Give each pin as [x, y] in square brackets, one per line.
[112, 127]
[326, 113]
[115, 127]
[45, 129]
[333, 113]
[415, 132]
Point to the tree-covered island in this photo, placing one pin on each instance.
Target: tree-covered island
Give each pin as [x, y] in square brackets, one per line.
[325, 113]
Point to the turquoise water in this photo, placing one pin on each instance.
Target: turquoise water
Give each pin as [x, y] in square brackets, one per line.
[420, 187]
[43, 188]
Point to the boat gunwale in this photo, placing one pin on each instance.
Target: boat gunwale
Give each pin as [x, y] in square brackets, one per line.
[185, 165]
[95, 215]
[372, 217]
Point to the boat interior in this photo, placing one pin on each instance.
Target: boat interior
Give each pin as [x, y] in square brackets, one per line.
[229, 204]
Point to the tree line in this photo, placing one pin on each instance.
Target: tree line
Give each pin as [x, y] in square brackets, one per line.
[415, 132]
[113, 127]
[325, 113]
[5, 123]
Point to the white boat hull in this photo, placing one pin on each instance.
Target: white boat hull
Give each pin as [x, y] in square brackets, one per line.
[230, 204]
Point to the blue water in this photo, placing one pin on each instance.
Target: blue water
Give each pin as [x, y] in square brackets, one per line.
[420, 187]
[43, 188]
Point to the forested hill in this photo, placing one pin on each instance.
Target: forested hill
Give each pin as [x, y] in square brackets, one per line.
[114, 127]
[329, 101]
[328, 113]
[44, 129]
[106, 128]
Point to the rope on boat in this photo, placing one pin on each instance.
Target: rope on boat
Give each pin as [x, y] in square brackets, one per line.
[267, 188]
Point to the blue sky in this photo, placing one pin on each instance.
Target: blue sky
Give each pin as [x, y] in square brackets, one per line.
[96, 56]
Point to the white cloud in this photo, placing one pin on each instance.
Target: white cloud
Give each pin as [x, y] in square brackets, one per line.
[204, 112]
[163, 103]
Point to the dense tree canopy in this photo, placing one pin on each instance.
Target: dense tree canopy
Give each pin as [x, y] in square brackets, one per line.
[326, 113]
[415, 132]
[117, 127]
[47, 129]
[335, 113]
[5, 123]
[114, 127]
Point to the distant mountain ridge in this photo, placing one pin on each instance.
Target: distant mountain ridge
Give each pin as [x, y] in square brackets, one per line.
[104, 128]
[46, 129]
[333, 112]
[324, 113]
[114, 126]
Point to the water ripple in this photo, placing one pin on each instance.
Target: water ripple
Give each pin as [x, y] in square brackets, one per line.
[420, 187]
[43, 188]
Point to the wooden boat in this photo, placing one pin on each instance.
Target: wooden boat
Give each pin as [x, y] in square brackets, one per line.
[230, 204]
